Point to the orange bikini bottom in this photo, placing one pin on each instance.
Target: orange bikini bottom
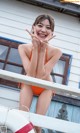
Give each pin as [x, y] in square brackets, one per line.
[36, 90]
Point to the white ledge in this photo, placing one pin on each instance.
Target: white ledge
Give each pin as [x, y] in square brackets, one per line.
[58, 88]
[53, 123]
[38, 120]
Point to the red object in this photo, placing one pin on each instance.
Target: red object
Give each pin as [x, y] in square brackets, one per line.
[27, 128]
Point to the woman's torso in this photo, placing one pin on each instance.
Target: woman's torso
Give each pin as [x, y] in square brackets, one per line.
[48, 55]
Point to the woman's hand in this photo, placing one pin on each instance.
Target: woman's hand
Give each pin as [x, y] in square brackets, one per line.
[49, 37]
[39, 43]
[44, 43]
[35, 40]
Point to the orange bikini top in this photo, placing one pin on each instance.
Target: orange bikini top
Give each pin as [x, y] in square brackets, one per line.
[36, 90]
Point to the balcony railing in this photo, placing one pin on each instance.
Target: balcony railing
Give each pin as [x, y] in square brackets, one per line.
[45, 121]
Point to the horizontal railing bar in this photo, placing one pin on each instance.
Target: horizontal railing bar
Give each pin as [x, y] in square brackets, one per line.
[58, 88]
[39, 82]
[40, 120]
[52, 123]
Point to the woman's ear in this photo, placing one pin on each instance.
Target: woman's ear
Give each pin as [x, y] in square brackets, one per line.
[51, 34]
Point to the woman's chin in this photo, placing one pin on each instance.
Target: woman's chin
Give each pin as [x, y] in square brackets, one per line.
[42, 39]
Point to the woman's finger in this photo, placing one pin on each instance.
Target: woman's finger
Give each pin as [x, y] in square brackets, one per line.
[51, 37]
[29, 32]
[32, 35]
[46, 40]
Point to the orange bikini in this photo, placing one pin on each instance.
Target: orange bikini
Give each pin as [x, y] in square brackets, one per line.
[36, 90]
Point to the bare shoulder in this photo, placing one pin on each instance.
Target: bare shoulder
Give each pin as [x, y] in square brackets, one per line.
[27, 48]
[53, 50]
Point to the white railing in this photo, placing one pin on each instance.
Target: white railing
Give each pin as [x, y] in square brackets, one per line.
[62, 89]
[45, 121]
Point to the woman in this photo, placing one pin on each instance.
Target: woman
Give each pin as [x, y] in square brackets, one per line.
[38, 59]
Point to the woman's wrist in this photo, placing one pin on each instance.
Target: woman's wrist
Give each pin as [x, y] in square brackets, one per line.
[34, 47]
[42, 49]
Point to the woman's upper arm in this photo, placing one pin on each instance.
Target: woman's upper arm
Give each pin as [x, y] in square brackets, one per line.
[53, 60]
[24, 56]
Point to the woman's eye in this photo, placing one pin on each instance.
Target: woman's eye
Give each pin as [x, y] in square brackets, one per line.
[39, 25]
[49, 28]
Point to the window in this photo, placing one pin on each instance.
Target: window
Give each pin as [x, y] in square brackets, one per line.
[60, 72]
[10, 61]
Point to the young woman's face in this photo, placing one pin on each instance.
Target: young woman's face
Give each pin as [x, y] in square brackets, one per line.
[43, 30]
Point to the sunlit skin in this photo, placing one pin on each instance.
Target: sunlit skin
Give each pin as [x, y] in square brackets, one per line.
[35, 54]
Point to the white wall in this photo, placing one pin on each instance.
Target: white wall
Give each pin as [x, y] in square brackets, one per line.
[15, 17]
[9, 97]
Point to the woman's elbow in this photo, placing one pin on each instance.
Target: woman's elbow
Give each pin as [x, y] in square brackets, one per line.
[45, 76]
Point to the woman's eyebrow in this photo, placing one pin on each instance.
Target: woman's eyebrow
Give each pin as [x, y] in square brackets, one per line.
[43, 24]
[40, 23]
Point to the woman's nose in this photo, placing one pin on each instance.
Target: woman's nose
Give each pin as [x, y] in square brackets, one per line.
[44, 29]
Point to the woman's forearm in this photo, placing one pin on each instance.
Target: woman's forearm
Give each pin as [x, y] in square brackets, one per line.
[41, 63]
[33, 62]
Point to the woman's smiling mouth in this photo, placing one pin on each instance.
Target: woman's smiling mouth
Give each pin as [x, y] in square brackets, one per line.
[40, 35]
